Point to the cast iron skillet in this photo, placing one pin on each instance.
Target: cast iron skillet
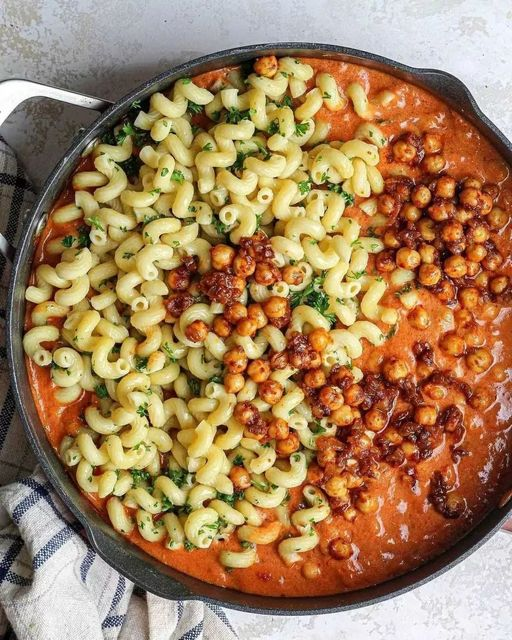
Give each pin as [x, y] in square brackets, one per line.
[120, 554]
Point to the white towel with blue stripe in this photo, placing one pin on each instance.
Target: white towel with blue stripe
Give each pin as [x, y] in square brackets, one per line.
[53, 586]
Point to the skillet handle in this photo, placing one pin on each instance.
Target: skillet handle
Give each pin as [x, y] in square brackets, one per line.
[14, 92]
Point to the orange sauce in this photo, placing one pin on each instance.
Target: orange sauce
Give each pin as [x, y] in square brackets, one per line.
[406, 530]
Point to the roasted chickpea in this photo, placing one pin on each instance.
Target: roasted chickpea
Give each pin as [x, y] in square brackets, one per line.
[445, 291]
[428, 253]
[385, 261]
[267, 274]
[222, 256]
[498, 284]
[426, 228]
[418, 317]
[288, 446]
[340, 550]
[492, 189]
[270, 391]
[395, 369]
[275, 307]
[486, 203]
[234, 312]
[336, 487]
[434, 391]
[482, 398]
[375, 419]
[255, 312]
[234, 382]
[423, 370]
[482, 280]
[311, 570]
[475, 336]
[178, 279]
[476, 252]
[432, 143]
[463, 215]
[315, 473]
[258, 370]
[489, 311]
[235, 360]
[433, 163]
[331, 397]
[445, 187]
[410, 450]
[410, 212]
[470, 197]
[293, 275]
[319, 339]
[240, 478]
[246, 327]
[429, 275]
[452, 344]
[391, 240]
[278, 429]
[314, 378]
[492, 261]
[222, 327]
[441, 210]
[386, 204]
[469, 297]
[266, 66]
[278, 360]
[246, 413]
[452, 231]
[479, 360]
[475, 183]
[497, 218]
[197, 331]
[421, 196]
[244, 265]
[463, 319]
[403, 151]
[408, 258]
[478, 232]
[473, 268]
[367, 503]
[455, 267]
[354, 395]
[425, 415]
[343, 416]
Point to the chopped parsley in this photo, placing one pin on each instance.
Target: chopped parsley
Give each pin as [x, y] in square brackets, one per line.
[231, 499]
[194, 386]
[142, 410]
[68, 241]
[304, 187]
[95, 222]
[167, 349]
[141, 363]
[391, 332]
[326, 96]
[194, 108]
[127, 255]
[238, 460]
[164, 172]
[208, 146]
[314, 296]
[220, 227]
[140, 476]
[178, 476]
[337, 188]
[178, 176]
[273, 127]
[101, 391]
[83, 237]
[131, 166]
[317, 429]
[405, 289]
[216, 379]
[259, 216]
[189, 546]
[234, 115]
[301, 129]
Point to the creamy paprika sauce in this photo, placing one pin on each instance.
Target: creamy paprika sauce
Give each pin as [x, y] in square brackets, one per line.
[428, 494]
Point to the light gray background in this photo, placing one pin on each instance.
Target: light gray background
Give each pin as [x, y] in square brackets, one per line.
[105, 47]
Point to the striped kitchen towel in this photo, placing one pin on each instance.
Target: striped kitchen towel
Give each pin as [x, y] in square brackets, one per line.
[53, 586]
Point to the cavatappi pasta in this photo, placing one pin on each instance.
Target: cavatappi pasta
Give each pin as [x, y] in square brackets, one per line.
[222, 264]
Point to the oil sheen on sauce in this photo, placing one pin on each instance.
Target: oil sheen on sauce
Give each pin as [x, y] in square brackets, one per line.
[406, 531]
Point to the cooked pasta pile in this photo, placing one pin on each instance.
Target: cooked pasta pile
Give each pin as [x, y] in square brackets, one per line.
[223, 249]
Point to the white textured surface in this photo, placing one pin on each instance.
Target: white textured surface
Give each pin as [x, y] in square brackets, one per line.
[105, 48]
